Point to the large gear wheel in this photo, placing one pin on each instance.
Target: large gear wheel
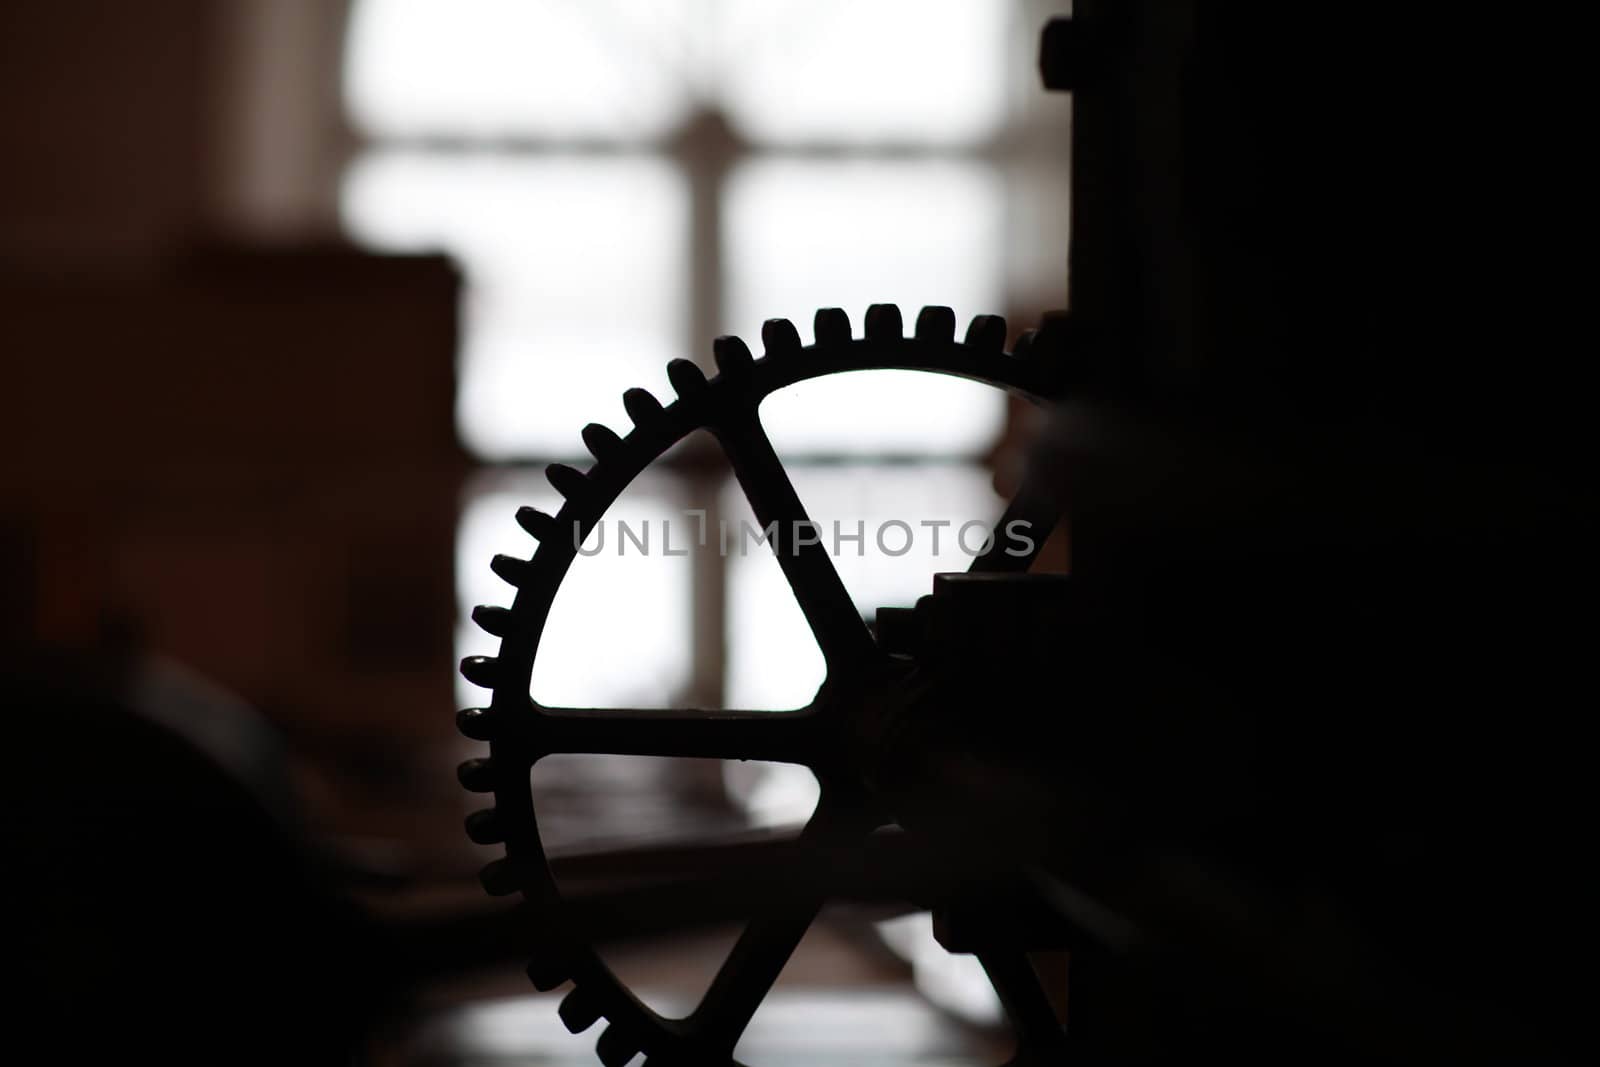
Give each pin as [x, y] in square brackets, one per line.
[520, 732]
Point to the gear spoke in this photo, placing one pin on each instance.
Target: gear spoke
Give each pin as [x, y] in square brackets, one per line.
[1035, 507]
[766, 945]
[710, 880]
[769, 736]
[1041, 1037]
[748, 974]
[836, 624]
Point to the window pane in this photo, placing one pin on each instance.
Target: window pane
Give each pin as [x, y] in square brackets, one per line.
[885, 71]
[575, 282]
[929, 71]
[576, 68]
[808, 234]
[619, 633]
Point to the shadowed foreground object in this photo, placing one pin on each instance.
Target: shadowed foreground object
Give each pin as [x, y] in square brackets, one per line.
[171, 891]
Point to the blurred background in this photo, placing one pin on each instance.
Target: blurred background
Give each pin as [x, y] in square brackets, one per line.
[299, 296]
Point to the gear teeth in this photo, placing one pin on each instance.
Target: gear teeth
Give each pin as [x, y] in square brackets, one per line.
[602, 441]
[579, 1010]
[483, 827]
[732, 355]
[500, 879]
[686, 377]
[1024, 348]
[475, 723]
[896, 630]
[548, 972]
[1054, 320]
[511, 570]
[779, 337]
[987, 334]
[883, 323]
[616, 1046]
[568, 481]
[1055, 342]
[496, 622]
[936, 323]
[642, 407]
[831, 326]
[476, 775]
[538, 524]
[481, 671]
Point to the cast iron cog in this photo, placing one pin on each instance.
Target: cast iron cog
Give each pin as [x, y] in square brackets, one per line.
[520, 731]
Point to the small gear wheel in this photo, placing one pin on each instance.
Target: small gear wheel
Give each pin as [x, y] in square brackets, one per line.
[520, 731]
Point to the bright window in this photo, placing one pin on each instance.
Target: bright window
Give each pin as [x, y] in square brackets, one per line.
[576, 283]
[623, 180]
[557, 148]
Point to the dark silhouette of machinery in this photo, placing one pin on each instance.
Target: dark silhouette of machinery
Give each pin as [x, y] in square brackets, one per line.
[1292, 764]
[869, 726]
[1291, 732]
